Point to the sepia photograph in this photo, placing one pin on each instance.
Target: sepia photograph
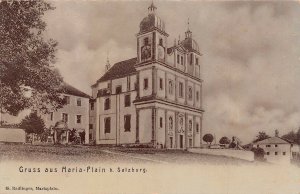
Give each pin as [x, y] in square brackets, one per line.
[149, 96]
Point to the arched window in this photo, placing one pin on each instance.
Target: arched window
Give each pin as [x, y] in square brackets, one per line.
[170, 123]
[171, 87]
[190, 94]
[190, 125]
[107, 104]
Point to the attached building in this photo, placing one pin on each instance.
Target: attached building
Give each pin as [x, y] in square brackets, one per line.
[75, 112]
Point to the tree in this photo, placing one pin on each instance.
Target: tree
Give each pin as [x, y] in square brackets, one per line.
[33, 124]
[208, 138]
[293, 136]
[26, 76]
[261, 136]
[224, 140]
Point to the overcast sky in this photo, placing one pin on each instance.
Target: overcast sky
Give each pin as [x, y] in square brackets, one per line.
[251, 54]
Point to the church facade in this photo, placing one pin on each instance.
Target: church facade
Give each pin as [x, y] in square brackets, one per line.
[155, 98]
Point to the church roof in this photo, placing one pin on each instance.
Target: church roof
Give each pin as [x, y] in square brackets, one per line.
[68, 89]
[273, 140]
[120, 69]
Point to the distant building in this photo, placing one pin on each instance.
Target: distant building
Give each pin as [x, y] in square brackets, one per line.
[154, 98]
[75, 112]
[277, 150]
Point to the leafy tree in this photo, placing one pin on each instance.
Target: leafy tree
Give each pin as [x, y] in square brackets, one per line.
[26, 76]
[293, 136]
[224, 140]
[261, 136]
[208, 138]
[33, 124]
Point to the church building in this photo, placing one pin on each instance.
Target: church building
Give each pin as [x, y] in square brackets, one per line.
[154, 98]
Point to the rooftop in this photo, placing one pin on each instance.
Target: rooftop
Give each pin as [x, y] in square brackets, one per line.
[68, 89]
[273, 140]
[120, 69]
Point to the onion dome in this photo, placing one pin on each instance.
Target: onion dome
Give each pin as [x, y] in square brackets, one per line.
[189, 43]
[152, 21]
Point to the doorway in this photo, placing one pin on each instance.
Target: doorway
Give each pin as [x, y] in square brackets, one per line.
[181, 141]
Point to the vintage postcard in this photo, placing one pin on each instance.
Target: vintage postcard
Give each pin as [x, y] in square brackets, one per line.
[149, 97]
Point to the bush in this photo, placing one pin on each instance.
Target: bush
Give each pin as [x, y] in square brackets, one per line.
[224, 140]
[259, 154]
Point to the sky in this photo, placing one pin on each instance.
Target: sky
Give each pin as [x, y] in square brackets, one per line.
[250, 62]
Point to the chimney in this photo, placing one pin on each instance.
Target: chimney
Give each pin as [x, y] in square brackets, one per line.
[276, 133]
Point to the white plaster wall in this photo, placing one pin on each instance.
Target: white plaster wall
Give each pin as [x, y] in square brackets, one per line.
[12, 135]
[145, 126]
[160, 130]
[119, 82]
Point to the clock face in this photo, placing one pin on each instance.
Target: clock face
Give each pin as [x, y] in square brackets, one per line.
[146, 52]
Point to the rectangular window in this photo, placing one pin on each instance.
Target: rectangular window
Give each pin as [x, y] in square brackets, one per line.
[128, 83]
[145, 83]
[197, 127]
[161, 83]
[65, 117]
[197, 95]
[127, 100]
[180, 89]
[268, 153]
[67, 99]
[276, 145]
[283, 153]
[92, 105]
[181, 60]
[118, 89]
[197, 61]
[191, 61]
[51, 116]
[107, 104]
[78, 118]
[127, 123]
[268, 146]
[107, 125]
[178, 59]
[276, 153]
[78, 101]
[160, 122]
[90, 126]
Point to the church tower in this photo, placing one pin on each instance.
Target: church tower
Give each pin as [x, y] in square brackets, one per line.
[152, 38]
